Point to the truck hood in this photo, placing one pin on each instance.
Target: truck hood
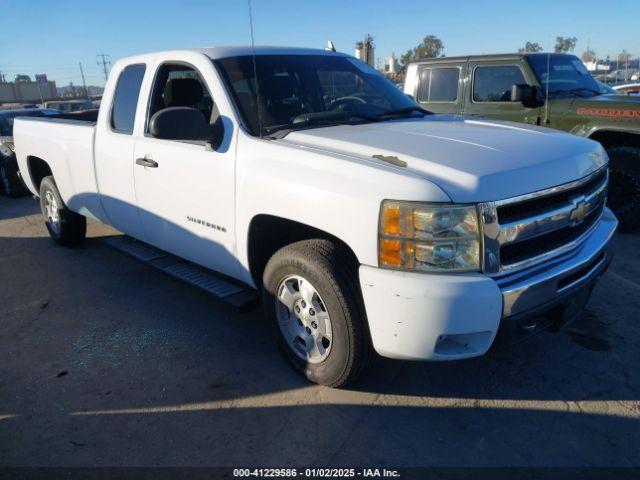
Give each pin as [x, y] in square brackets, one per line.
[471, 160]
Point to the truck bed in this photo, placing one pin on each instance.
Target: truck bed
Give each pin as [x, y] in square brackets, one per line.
[89, 117]
[66, 143]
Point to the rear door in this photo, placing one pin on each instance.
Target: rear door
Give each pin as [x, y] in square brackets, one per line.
[440, 87]
[114, 148]
[489, 92]
[186, 200]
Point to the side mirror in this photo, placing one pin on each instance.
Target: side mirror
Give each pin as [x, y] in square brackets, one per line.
[183, 123]
[528, 95]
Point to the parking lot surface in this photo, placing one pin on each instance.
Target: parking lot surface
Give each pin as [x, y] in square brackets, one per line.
[106, 361]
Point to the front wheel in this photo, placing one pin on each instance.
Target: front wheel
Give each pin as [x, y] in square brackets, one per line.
[66, 227]
[624, 186]
[311, 297]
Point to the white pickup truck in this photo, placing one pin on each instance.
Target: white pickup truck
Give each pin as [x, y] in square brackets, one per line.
[365, 220]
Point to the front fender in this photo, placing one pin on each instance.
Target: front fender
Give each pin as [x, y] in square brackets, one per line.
[337, 194]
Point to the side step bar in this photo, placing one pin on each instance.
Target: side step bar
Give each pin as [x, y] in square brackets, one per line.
[240, 297]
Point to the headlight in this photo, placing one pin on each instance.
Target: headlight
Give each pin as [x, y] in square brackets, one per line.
[415, 236]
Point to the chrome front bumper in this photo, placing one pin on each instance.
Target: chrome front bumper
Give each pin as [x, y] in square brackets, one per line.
[417, 316]
[552, 285]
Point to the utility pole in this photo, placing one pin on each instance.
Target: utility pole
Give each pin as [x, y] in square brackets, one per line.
[103, 59]
[84, 84]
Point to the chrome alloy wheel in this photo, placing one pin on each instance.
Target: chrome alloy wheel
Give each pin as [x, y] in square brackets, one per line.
[52, 211]
[303, 319]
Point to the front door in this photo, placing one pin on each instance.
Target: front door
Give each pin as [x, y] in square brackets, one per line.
[489, 94]
[185, 190]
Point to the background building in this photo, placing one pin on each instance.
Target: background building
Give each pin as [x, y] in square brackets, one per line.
[24, 90]
[366, 50]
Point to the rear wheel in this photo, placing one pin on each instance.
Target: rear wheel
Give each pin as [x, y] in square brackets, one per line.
[65, 227]
[624, 186]
[311, 297]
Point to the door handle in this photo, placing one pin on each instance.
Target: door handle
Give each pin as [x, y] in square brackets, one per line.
[147, 162]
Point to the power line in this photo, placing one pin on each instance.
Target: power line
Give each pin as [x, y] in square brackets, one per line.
[105, 61]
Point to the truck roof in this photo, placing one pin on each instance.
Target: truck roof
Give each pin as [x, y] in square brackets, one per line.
[495, 56]
[216, 53]
[237, 51]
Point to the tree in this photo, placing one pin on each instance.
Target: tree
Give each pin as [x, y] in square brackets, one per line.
[531, 47]
[588, 56]
[624, 56]
[406, 57]
[430, 47]
[565, 44]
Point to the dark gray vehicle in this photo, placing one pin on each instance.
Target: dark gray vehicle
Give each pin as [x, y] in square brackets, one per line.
[10, 182]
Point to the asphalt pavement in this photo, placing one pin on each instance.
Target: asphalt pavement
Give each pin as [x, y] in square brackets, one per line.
[106, 361]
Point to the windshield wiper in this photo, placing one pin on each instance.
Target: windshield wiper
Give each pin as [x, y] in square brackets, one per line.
[329, 118]
[315, 119]
[403, 112]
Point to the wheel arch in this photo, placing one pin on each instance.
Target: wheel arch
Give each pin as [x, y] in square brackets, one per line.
[610, 137]
[268, 233]
[38, 170]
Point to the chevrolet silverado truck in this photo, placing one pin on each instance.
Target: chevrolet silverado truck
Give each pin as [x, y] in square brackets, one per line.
[364, 220]
[551, 90]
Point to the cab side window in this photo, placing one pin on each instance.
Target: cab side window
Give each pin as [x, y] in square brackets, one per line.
[125, 99]
[439, 85]
[493, 84]
[178, 85]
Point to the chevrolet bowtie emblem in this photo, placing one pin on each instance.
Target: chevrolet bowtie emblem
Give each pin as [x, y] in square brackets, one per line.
[578, 212]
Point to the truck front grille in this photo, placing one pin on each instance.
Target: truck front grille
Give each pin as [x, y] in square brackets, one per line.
[517, 252]
[536, 206]
[530, 229]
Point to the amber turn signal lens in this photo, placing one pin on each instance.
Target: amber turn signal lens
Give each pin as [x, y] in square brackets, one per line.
[390, 252]
[391, 220]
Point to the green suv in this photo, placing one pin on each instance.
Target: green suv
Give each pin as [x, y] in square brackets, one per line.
[550, 90]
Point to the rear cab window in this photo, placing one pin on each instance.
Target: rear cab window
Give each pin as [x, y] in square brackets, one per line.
[439, 84]
[125, 99]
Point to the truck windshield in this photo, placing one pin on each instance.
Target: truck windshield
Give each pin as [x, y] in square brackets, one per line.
[566, 75]
[305, 91]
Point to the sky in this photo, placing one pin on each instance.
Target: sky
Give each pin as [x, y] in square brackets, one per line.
[53, 36]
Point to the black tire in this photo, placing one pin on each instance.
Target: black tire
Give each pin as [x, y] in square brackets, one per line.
[624, 186]
[333, 273]
[71, 228]
[11, 183]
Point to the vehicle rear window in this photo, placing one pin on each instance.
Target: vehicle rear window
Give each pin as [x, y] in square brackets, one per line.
[125, 99]
[439, 85]
[493, 84]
